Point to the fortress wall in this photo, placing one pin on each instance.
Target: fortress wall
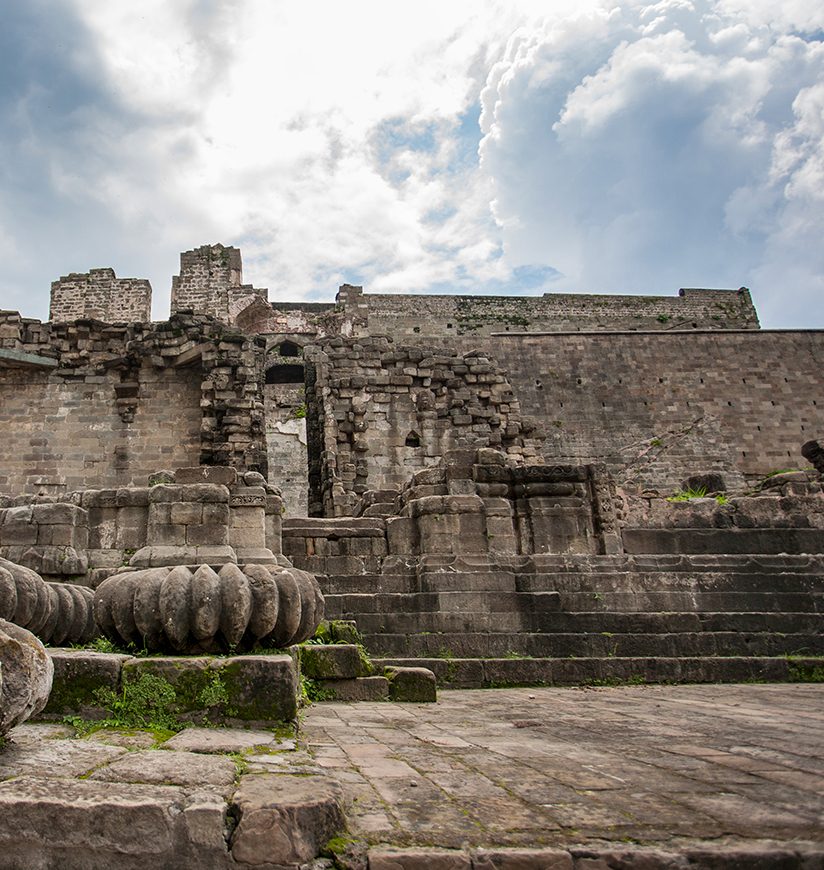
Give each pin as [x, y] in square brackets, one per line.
[658, 406]
[101, 295]
[60, 435]
[405, 316]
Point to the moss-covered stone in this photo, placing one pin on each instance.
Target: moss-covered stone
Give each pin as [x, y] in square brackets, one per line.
[334, 662]
[217, 690]
[78, 676]
[411, 684]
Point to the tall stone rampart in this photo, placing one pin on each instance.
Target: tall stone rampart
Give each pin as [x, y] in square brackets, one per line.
[407, 316]
[657, 406]
[101, 295]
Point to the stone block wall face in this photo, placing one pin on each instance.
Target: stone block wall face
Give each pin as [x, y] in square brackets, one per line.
[211, 282]
[657, 407]
[124, 400]
[449, 316]
[285, 410]
[101, 295]
[60, 435]
[377, 413]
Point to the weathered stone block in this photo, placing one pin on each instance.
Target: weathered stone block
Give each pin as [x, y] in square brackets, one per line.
[285, 820]
[78, 674]
[334, 661]
[186, 513]
[219, 474]
[411, 684]
[255, 688]
[360, 689]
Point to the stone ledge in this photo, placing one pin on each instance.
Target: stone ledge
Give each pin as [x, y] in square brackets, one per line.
[732, 857]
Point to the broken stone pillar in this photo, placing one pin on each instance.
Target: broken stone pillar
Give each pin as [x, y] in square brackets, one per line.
[274, 525]
[26, 673]
[247, 525]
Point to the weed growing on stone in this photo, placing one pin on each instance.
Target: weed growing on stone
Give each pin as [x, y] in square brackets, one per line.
[214, 692]
[312, 691]
[143, 704]
[688, 494]
[804, 672]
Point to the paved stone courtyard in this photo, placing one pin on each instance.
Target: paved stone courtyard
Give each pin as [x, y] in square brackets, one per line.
[652, 777]
[655, 765]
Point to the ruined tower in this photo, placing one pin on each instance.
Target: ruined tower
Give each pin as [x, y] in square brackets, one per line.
[211, 282]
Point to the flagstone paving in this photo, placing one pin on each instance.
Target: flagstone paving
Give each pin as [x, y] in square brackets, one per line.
[556, 766]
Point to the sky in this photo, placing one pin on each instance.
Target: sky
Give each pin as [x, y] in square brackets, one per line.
[459, 146]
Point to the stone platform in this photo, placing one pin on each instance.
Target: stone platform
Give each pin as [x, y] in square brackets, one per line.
[659, 778]
[652, 777]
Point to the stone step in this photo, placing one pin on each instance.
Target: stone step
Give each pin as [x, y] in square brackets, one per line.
[592, 582]
[596, 621]
[785, 582]
[475, 673]
[580, 645]
[659, 601]
[668, 601]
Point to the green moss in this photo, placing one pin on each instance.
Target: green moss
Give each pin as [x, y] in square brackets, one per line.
[805, 672]
[314, 690]
[70, 695]
[146, 703]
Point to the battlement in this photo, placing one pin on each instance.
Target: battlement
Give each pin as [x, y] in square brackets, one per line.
[101, 295]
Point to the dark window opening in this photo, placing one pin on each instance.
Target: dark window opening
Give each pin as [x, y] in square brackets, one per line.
[284, 375]
[413, 439]
[288, 348]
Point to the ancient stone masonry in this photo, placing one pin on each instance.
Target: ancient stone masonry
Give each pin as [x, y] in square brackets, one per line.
[87, 403]
[211, 282]
[378, 412]
[406, 316]
[100, 294]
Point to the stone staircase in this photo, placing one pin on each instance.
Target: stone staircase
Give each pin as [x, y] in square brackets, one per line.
[590, 619]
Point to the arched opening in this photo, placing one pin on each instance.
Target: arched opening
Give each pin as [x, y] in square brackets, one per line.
[288, 348]
[413, 439]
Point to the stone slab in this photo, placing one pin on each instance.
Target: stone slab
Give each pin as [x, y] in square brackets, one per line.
[76, 824]
[170, 768]
[285, 819]
[224, 740]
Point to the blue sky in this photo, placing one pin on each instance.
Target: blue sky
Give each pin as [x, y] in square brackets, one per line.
[472, 146]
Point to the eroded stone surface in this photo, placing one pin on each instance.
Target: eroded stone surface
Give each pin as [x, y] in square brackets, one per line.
[223, 740]
[26, 676]
[555, 767]
[285, 819]
[169, 768]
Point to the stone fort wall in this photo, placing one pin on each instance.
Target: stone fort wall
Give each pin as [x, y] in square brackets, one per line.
[407, 316]
[88, 404]
[656, 387]
[659, 406]
[100, 294]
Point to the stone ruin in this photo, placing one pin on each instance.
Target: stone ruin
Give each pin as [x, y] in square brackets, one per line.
[503, 489]
[482, 491]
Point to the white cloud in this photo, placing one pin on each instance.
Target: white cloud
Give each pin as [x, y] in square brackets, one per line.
[688, 151]
[631, 146]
